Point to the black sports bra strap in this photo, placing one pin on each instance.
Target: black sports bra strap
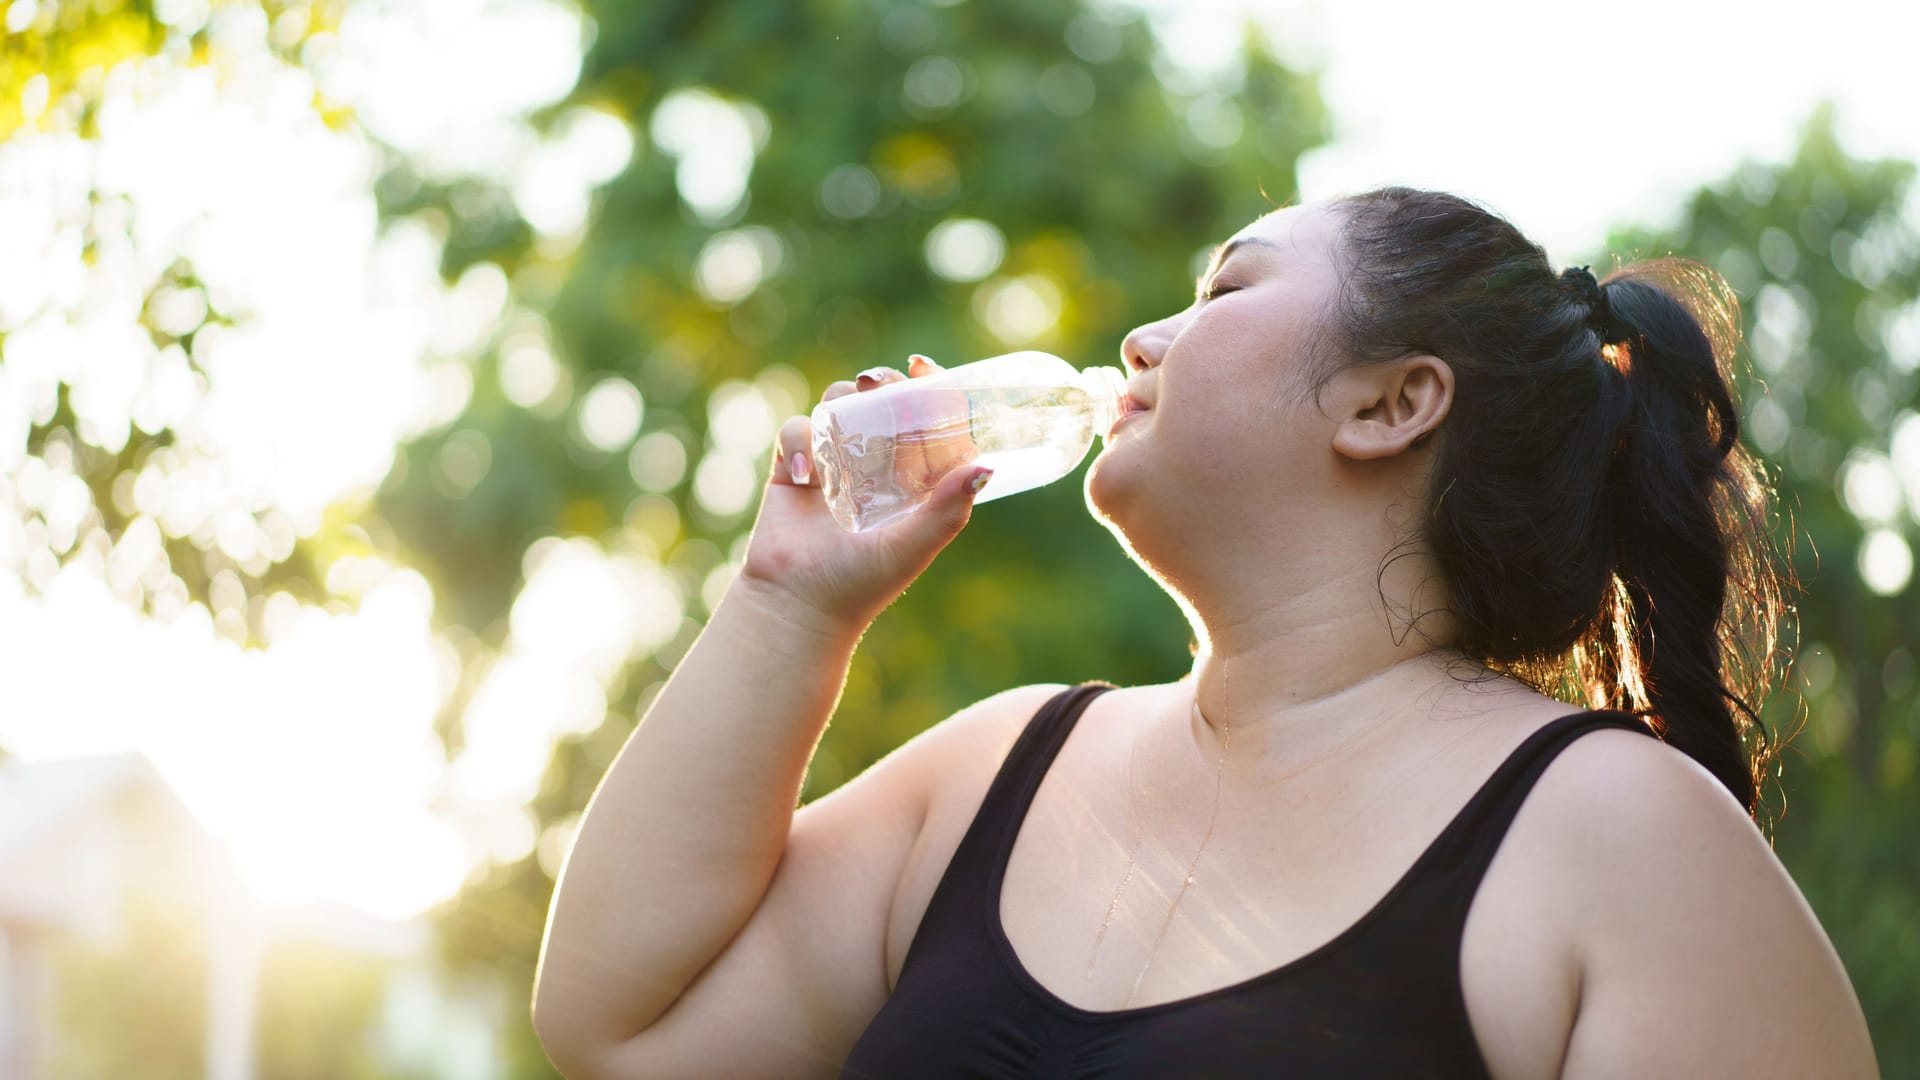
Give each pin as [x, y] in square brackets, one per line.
[1453, 866]
[976, 862]
[1033, 752]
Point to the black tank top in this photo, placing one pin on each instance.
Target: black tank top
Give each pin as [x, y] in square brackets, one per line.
[1381, 999]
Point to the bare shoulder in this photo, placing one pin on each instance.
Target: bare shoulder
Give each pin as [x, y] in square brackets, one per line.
[973, 743]
[969, 748]
[1622, 802]
[1682, 916]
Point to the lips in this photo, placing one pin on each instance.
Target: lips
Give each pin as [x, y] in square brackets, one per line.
[1129, 408]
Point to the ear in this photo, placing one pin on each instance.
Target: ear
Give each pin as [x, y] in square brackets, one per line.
[1387, 407]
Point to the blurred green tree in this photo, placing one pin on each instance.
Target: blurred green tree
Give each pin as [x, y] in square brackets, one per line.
[53, 77]
[318, 1007]
[1823, 251]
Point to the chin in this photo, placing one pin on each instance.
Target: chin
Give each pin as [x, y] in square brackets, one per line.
[1109, 488]
[1151, 518]
[1117, 497]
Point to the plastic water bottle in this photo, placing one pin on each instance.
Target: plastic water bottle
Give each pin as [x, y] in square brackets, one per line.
[1029, 416]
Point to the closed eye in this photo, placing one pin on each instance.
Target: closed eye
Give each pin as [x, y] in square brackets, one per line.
[1216, 290]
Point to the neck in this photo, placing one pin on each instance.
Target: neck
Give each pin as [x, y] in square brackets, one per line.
[1313, 675]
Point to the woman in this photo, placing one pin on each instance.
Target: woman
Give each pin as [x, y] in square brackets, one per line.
[1415, 492]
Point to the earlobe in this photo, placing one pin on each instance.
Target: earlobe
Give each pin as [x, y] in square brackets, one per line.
[1395, 405]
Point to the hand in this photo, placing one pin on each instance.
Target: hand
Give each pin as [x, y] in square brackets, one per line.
[798, 552]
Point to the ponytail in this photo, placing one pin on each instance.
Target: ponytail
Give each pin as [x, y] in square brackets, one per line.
[1686, 502]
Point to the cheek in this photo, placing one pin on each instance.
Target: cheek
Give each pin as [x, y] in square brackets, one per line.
[1248, 435]
[1249, 372]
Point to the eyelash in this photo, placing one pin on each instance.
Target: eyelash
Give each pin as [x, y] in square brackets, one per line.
[1216, 291]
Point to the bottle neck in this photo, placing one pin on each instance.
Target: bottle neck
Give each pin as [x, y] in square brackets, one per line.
[1107, 386]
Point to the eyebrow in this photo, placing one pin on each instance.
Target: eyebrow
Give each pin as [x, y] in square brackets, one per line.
[1221, 253]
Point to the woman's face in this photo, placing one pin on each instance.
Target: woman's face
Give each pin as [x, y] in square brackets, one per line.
[1230, 428]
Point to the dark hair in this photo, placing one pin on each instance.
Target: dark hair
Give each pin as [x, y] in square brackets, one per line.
[1602, 531]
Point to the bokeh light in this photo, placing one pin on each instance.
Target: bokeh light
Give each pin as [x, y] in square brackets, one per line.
[740, 419]
[1906, 459]
[724, 483]
[850, 191]
[1871, 488]
[1020, 310]
[965, 249]
[658, 461]
[1886, 562]
[936, 84]
[610, 414]
[529, 375]
[734, 263]
[714, 141]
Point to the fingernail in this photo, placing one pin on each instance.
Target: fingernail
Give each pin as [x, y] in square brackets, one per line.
[872, 374]
[979, 480]
[922, 359]
[797, 465]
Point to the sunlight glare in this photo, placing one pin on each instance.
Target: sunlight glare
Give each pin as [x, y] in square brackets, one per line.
[316, 782]
[450, 81]
[321, 338]
[582, 614]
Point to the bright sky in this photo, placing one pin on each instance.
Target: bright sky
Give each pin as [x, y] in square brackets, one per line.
[315, 758]
[1570, 117]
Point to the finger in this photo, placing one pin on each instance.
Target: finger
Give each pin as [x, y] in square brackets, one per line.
[948, 508]
[877, 376]
[918, 365]
[839, 389]
[795, 441]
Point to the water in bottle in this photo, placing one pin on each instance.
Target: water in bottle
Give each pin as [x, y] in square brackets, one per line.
[1029, 416]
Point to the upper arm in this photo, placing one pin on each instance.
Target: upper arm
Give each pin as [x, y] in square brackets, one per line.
[1698, 954]
[794, 989]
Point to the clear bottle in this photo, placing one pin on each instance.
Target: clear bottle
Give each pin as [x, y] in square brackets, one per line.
[1027, 415]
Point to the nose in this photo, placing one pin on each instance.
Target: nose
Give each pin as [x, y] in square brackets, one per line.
[1144, 345]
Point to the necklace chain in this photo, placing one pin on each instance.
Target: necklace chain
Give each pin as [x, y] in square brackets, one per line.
[1226, 740]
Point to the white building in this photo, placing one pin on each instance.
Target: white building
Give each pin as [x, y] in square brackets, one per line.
[79, 837]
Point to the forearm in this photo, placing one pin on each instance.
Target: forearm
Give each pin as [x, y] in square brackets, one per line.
[683, 835]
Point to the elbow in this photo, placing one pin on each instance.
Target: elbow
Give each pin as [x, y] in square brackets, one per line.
[577, 1053]
[564, 1044]
[562, 1026]
[560, 1053]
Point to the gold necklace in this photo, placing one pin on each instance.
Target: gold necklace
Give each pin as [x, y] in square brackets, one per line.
[1226, 740]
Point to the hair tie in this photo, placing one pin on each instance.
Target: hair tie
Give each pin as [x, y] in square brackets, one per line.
[1590, 292]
